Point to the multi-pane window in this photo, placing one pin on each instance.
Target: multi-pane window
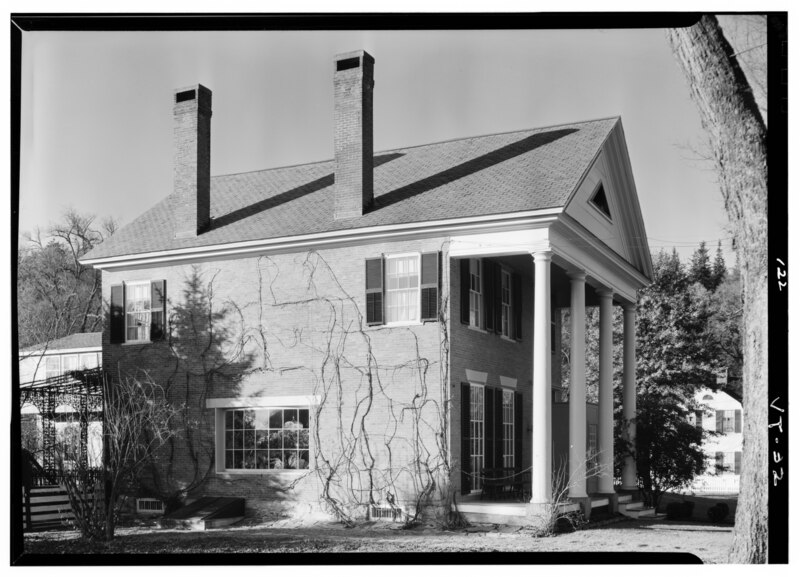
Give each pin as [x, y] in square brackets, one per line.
[137, 311]
[475, 292]
[508, 428]
[268, 438]
[52, 367]
[476, 418]
[69, 363]
[505, 301]
[402, 289]
[729, 421]
[89, 361]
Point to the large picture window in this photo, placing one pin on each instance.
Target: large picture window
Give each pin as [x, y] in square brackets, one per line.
[266, 438]
[402, 289]
[137, 312]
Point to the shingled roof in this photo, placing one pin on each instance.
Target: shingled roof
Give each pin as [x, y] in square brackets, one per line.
[484, 175]
[73, 341]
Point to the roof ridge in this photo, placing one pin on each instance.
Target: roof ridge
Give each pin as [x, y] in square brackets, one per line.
[389, 150]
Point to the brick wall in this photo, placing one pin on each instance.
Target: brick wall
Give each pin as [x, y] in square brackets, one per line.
[290, 325]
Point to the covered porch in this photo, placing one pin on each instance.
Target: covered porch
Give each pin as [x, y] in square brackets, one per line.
[564, 270]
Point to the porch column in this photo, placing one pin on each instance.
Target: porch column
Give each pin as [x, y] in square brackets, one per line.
[629, 477]
[605, 434]
[541, 473]
[577, 386]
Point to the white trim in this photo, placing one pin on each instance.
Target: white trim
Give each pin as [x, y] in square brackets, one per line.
[51, 352]
[508, 382]
[477, 377]
[318, 240]
[249, 402]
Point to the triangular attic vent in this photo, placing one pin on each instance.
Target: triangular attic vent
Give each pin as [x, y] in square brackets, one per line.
[600, 201]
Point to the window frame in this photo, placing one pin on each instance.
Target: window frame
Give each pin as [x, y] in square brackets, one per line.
[231, 432]
[127, 299]
[477, 436]
[49, 374]
[728, 417]
[509, 434]
[417, 291]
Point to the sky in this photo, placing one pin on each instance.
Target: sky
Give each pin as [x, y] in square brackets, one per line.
[97, 110]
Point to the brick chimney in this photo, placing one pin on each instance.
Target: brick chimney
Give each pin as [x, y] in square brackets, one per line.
[352, 89]
[192, 160]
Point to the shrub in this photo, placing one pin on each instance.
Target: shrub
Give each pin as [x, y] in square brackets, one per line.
[718, 512]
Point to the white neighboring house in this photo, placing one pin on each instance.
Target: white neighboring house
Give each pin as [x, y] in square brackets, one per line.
[39, 363]
[723, 414]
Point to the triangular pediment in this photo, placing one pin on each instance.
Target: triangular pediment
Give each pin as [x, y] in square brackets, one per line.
[606, 204]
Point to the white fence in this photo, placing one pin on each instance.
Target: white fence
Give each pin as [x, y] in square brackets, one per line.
[718, 484]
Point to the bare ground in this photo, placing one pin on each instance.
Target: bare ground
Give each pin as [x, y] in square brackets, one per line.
[707, 541]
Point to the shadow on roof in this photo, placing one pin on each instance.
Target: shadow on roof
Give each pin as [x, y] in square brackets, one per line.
[471, 166]
[289, 195]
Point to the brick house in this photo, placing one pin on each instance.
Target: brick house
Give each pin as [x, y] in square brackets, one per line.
[380, 327]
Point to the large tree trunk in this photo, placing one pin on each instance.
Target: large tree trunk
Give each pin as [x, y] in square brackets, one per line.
[738, 140]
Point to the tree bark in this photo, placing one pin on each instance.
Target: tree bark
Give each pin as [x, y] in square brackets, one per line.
[738, 140]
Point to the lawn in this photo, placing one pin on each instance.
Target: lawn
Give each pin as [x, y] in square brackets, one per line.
[707, 541]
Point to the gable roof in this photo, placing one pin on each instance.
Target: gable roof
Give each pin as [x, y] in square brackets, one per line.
[494, 174]
[74, 341]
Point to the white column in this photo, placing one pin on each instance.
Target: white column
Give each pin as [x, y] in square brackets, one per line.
[541, 473]
[629, 477]
[605, 433]
[577, 386]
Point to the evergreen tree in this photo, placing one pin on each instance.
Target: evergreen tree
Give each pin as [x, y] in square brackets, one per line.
[676, 356]
[700, 268]
[719, 271]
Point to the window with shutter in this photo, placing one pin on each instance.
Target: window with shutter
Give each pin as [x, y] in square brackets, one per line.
[138, 312]
[429, 288]
[505, 303]
[374, 289]
[737, 462]
[738, 421]
[401, 289]
[509, 434]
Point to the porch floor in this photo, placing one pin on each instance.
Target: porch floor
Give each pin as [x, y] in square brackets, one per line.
[477, 510]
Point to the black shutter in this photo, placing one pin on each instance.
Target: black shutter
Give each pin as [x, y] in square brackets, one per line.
[698, 420]
[498, 427]
[720, 420]
[497, 283]
[518, 430]
[466, 439]
[719, 461]
[429, 287]
[117, 329]
[737, 467]
[488, 428]
[465, 291]
[374, 290]
[488, 274]
[158, 306]
[738, 422]
[516, 305]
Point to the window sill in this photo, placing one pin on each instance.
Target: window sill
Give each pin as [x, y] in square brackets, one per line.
[262, 472]
[477, 329]
[509, 339]
[401, 324]
[134, 343]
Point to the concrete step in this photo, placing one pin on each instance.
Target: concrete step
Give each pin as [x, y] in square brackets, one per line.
[206, 513]
[635, 510]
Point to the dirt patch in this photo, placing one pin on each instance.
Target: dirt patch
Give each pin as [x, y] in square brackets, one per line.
[709, 542]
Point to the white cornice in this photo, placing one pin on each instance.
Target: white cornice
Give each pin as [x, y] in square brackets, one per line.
[330, 239]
